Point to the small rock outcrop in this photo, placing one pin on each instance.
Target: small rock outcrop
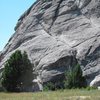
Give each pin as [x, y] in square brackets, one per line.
[57, 34]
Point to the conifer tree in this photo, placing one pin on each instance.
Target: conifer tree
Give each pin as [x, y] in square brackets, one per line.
[74, 78]
[15, 67]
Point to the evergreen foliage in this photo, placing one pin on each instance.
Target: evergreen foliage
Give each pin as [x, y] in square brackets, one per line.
[15, 67]
[74, 78]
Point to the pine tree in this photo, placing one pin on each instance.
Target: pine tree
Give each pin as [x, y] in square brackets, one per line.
[15, 67]
[74, 78]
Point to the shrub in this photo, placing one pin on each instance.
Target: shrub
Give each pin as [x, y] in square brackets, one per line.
[15, 67]
[91, 88]
[74, 78]
[49, 86]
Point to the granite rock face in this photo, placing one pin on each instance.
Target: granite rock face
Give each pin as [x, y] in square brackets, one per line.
[57, 34]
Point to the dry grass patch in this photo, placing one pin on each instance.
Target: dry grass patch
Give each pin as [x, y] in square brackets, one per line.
[56, 95]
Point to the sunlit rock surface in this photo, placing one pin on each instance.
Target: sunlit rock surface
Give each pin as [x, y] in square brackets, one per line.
[57, 34]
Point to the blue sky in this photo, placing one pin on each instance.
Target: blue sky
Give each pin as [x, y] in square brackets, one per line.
[10, 11]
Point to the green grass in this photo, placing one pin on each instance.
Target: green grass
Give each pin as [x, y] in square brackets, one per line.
[56, 95]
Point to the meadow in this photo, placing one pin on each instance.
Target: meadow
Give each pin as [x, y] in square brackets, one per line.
[74, 94]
